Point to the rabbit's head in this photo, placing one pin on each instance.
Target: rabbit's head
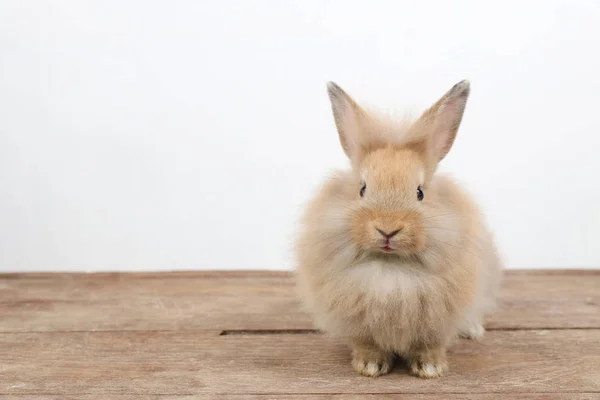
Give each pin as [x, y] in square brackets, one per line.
[395, 202]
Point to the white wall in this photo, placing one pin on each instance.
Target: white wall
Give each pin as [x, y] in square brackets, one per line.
[187, 134]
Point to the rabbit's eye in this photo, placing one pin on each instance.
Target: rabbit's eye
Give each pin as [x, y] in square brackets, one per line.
[420, 194]
[362, 190]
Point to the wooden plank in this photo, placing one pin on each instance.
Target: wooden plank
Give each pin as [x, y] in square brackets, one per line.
[422, 396]
[168, 301]
[250, 300]
[186, 363]
[548, 299]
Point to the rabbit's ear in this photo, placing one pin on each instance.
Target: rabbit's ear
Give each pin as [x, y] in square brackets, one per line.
[441, 121]
[348, 116]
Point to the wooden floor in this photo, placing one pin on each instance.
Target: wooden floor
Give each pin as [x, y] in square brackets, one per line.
[242, 335]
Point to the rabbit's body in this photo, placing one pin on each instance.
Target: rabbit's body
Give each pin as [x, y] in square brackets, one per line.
[394, 300]
[411, 291]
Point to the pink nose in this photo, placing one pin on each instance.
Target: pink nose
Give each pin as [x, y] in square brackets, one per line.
[388, 235]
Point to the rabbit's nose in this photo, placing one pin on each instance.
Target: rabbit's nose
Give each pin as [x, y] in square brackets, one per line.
[389, 235]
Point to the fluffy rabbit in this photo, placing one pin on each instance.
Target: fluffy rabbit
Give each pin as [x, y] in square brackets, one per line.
[392, 257]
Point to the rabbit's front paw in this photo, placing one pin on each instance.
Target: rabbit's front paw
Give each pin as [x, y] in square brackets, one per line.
[371, 361]
[429, 364]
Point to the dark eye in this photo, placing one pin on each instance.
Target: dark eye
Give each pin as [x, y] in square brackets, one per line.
[362, 190]
[420, 194]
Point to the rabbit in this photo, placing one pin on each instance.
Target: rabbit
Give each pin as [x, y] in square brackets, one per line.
[393, 258]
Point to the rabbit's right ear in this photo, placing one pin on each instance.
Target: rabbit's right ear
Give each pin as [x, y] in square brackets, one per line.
[348, 116]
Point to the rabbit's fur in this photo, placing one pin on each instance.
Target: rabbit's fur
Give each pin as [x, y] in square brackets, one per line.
[408, 294]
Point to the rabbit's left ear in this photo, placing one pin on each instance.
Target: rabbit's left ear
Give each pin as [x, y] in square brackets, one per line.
[441, 121]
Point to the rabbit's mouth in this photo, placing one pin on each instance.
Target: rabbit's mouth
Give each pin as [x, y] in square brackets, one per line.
[386, 248]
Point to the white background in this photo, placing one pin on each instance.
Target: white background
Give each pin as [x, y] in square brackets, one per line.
[187, 134]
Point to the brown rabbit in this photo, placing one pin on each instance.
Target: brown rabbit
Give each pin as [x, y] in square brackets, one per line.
[392, 257]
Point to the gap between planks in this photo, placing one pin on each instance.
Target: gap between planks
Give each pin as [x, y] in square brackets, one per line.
[252, 332]
[317, 396]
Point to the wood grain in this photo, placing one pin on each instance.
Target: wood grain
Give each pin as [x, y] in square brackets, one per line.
[361, 396]
[251, 301]
[422, 396]
[186, 363]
